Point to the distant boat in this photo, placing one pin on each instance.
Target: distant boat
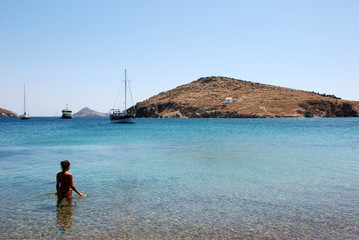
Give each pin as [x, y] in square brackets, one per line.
[66, 113]
[25, 116]
[118, 116]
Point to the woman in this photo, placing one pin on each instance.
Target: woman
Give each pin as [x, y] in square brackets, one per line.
[64, 184]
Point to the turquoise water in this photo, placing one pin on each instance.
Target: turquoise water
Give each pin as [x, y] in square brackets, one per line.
[181, 178]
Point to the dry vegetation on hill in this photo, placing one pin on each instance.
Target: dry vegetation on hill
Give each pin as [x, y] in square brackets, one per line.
[205, 97]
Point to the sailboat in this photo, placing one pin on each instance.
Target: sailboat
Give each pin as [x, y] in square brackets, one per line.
[25, 116]
[118, 116]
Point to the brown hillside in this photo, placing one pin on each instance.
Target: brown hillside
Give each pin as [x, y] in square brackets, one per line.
[205, 98]
[7, 113]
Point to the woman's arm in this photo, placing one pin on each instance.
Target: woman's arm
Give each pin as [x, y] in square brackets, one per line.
[74, 188]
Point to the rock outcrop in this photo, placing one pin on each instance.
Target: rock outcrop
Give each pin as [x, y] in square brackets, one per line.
[7, 113]
[205, 98]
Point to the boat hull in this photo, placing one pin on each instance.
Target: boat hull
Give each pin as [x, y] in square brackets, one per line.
[66, 113]
[122, 119]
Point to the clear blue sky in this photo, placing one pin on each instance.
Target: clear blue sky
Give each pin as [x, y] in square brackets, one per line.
[75, 52]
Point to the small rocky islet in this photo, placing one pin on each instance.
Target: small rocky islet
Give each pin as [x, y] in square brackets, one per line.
[205, 98]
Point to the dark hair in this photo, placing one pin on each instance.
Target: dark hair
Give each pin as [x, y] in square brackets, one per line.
[65, 165]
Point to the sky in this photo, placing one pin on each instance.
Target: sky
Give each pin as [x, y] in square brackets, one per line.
[76, 52]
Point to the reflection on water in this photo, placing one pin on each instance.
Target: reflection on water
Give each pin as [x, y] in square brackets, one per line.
[64, 213]
[64, 217]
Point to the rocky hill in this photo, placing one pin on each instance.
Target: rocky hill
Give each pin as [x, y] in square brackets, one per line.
[204, 98]
[7, 113]
[87, 112]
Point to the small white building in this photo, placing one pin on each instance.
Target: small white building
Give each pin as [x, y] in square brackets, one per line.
[228, 100]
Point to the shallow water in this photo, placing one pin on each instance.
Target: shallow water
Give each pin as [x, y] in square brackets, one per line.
[182, 178]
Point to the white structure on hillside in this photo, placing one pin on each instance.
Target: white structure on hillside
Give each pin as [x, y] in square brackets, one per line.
[228, 100]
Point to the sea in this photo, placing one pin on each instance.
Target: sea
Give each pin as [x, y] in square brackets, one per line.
[181, 178]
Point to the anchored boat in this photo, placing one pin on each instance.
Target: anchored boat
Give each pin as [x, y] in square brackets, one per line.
[66, 113]
[118, 116]
[25, 116]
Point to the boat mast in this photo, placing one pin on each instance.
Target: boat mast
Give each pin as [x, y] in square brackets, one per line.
[125, 89]
[24, 102]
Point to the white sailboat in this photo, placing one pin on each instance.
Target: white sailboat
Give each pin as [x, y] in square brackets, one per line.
[25, 116]
[118, 116]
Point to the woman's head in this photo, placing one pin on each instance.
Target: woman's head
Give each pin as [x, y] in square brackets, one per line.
[65, 165]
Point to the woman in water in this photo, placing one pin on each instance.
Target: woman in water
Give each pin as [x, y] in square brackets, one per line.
[64, 184]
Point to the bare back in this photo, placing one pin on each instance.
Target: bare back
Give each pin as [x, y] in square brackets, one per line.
[64, 182]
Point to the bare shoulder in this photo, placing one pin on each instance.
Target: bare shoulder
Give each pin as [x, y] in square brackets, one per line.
[68, 175]
[64, 175]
